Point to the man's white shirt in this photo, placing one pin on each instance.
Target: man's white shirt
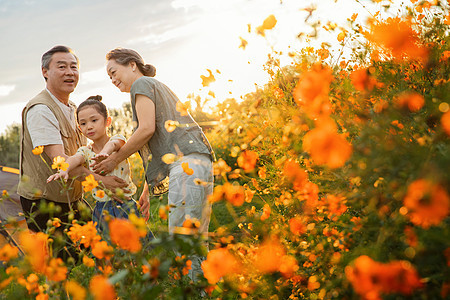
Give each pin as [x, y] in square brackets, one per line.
[43, 125]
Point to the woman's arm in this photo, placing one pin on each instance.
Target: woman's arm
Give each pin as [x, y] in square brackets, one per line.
[145, 112]
[144, 202]
[110, 147]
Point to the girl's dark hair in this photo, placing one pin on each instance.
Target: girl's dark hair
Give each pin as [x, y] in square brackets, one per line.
[95, 101]
[124, 56]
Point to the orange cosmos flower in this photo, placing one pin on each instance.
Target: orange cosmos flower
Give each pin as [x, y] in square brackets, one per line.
[88, 262]
[124, 235]
[363, 80]
[445, 121]
[247, 160]
[297, 226]
[75, 290]
[427, 203]
[182, 108]
[186, 168]
[35, 248]
[8, 252]
[217, 194]
[335, 205]
[56, 270]
[268, 255]
[311, 91]
[288, 266]
[412, 100]
[295, 173]
[101, 288]
[162, 211]
[326, 146]
[262, 172]
[171, 125]
[234, 193]
[219, 263]
[221, 167]
[266, 212]
[341, 36]
[90, 183]
[60, 163]
[38, 150]
[268, 24]
[248, 194]
[398, 37]
[100, 193]
[102, 250]
[370, 278]
[86, 234]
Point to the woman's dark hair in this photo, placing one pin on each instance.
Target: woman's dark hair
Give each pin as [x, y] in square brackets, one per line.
[125, 56]
[95, 101]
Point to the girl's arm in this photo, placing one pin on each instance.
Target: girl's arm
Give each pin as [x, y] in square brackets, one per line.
[110, 147]
[73, 161]
[145, 112]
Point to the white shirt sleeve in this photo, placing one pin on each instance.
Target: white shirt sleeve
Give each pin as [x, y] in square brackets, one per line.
[43, 126]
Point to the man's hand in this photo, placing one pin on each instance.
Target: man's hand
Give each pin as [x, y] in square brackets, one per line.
[113, 182]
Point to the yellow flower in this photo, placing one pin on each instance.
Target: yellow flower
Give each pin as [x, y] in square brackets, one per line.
[60, 163]
[38, 150]
[90, 183]
[168, 158]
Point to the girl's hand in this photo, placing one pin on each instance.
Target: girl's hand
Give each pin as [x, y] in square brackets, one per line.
[58, 175]
[100, 157]
[103, 167]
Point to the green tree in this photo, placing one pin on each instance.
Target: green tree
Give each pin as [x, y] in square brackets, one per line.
[10, 146]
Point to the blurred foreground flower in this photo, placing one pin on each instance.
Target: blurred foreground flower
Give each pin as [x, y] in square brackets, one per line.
[427, 203]
[125, 235]
[219, 263]
[311, 91]
[398, 37]
[371, 279]
[326, 146]
[101, 288]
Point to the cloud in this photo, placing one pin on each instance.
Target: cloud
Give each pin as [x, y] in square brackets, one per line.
[5, 90]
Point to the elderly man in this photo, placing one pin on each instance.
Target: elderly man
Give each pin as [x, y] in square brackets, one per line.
[49, 120]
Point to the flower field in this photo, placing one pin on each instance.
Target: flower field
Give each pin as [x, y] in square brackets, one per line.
[332, 181]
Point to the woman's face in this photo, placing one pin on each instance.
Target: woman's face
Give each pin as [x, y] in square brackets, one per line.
[121, 76]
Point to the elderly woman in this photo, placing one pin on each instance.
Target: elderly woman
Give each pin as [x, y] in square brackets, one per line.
[153, 104]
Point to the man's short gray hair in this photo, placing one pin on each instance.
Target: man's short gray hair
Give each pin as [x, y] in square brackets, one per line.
[47, 57]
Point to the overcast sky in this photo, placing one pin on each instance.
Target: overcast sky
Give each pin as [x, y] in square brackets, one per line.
[181, 38]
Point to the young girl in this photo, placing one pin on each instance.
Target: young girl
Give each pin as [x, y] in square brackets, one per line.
[93, 119]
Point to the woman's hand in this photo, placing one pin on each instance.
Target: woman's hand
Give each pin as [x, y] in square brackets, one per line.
[104, 166]
[144, 203]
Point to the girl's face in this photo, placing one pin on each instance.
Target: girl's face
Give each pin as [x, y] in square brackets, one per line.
[92, 124]
[122, 76]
